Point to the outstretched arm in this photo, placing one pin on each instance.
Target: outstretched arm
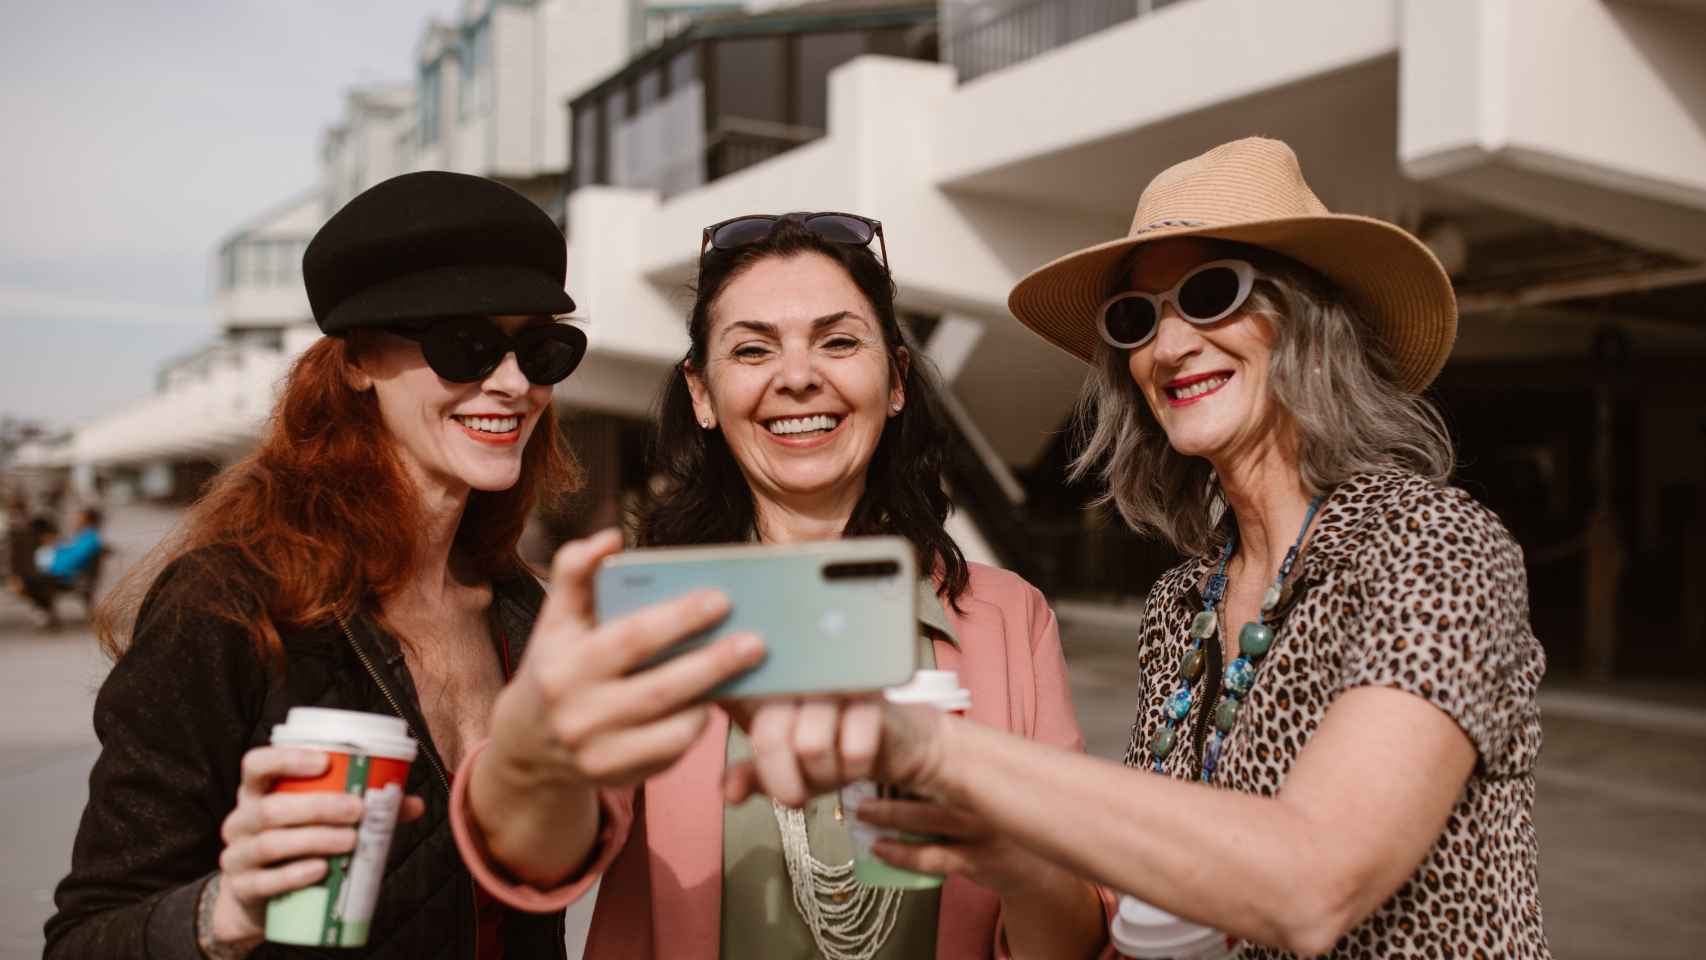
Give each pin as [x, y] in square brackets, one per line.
[581, 716]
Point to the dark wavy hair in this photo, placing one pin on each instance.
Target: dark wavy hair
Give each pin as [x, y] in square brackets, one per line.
[702, 496]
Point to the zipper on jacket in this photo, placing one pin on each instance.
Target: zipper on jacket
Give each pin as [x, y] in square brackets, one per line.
[397, 708]
[432, 758]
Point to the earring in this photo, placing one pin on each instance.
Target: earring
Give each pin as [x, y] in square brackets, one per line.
[706, 423]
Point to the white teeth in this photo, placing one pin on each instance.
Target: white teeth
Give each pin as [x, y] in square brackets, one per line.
[1199, 388]
[822, 421]
[490, 424]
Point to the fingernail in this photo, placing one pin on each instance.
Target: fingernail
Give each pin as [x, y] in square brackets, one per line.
[748, 645]
[713, 602]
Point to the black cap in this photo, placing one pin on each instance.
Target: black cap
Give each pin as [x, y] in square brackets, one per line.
[434, 244]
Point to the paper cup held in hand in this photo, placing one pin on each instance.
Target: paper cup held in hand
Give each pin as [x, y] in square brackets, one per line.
[369, 756]
[935, 688]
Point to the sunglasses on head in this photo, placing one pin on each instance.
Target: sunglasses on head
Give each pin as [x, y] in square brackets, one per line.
[468, 349]
[1208, 294]
[848, 228]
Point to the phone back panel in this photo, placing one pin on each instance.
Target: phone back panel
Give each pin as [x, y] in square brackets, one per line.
[836, 616]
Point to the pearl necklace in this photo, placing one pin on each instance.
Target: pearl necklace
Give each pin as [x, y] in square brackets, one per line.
[848, 920]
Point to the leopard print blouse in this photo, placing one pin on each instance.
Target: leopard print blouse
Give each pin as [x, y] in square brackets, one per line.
[1414, 586]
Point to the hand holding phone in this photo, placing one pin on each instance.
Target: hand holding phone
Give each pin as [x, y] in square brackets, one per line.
[581, 714]
[836, 616]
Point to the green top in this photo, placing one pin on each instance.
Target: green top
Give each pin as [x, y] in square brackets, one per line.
[759, 918]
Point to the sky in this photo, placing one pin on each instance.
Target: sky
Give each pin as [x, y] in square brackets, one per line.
[137, 134]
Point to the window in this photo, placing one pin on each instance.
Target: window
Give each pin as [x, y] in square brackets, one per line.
[683, 129]
[476, 91]
[684, 69]
[819, 54]
[748, 77]
[586, 144]
[647, 90]
[286, 255]
[430, 87]
[615, 112]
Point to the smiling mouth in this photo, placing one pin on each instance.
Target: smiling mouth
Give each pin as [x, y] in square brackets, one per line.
[1196, 388]
[802, 427]
[497, 426]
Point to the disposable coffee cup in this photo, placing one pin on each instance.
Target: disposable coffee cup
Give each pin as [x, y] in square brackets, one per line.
[369, 756]
[1140, 931]
[934, 688]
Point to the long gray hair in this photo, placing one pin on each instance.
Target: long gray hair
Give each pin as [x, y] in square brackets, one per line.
[1333, 383]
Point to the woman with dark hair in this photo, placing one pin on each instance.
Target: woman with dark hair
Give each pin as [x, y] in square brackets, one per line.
[363, 558]
[798, 414]
[1336, 730]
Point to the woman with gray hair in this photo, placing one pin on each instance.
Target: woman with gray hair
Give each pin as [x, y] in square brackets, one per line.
[1337, 689]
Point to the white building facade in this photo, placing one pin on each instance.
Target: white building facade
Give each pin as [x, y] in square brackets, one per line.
[1553, 152]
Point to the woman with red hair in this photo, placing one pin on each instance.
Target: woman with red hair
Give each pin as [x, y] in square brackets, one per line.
[363, 558]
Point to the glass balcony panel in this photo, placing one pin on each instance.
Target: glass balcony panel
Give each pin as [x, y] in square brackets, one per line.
[819, 54]
[747, 70]
[587, 145]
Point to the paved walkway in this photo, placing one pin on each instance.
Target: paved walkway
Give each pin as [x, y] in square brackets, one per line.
[1621, 812]
[47, 694]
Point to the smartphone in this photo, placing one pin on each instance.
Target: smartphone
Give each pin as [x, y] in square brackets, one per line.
[836, 616]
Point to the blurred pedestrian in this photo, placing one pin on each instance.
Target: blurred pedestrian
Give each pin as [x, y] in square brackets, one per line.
[60, 565]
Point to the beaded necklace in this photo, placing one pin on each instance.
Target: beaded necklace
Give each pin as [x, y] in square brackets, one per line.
[1254, 641]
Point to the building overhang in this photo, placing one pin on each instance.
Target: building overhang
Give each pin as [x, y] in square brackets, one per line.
[1488, 111]
[1120, 104]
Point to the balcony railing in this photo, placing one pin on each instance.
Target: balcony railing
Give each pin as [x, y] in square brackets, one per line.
[992, 36]
[738, 143]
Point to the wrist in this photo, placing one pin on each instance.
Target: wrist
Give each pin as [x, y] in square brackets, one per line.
[495, 786]
[222, 932]
[520, 818]
[938, 768]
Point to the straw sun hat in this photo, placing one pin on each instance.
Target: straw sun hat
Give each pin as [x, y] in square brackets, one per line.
[1252, 191]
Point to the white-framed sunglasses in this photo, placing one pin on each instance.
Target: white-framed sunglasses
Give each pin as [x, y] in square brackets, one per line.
[1208, 294]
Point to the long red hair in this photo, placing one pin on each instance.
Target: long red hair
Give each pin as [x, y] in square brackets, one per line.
[322, 519]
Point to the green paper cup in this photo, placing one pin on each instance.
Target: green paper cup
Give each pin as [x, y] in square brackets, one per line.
[936, 688]
[370, 756]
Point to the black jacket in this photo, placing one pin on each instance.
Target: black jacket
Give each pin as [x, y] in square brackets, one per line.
[174, 719]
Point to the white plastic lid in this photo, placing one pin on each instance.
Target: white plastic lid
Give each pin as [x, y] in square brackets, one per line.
[937, 688]
[373, 734]
[1142, 931]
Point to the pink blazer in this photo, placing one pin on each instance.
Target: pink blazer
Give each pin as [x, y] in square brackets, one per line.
[660, 846]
